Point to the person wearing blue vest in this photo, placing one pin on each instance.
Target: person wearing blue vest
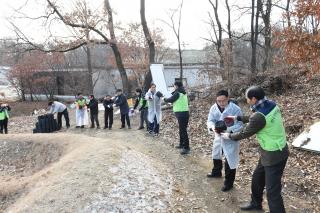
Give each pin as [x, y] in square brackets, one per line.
[180, 102]
[4, 117]
[266, 122]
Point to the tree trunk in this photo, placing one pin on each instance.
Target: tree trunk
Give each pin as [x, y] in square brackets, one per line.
[288, 13]
[179, 43]
[117, 55]
[90, 72]
[218, 36]
[151, 45]
[122, 70]
[180, 61]
[254, 35]
[23, 95]
[229, 49]
[267, 63]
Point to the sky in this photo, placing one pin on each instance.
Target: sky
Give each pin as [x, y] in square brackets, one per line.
[193, 27]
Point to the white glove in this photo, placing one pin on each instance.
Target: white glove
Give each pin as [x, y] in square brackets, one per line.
[225, 136]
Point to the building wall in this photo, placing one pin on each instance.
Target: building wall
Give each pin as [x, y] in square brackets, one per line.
[194, 75]
[73, 81]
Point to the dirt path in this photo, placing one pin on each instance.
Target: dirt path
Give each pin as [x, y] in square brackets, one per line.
[117, 171]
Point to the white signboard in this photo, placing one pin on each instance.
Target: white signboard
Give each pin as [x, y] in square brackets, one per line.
[159, 80]
[309, 140]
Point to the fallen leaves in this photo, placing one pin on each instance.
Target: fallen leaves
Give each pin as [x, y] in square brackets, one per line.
[300, 108]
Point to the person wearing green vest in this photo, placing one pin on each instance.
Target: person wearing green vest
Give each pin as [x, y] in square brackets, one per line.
[142, 103]
[180, 102]
[81, 111]
[266, 122]
[4, 117]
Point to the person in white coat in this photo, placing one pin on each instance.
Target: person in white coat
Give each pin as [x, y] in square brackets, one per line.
[154, 110]
[81, 111]
[229, 148]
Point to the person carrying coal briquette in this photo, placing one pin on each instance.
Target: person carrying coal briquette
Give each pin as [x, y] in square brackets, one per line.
[267, 123]
[180, 102]
[108, 112]
[94, 111]
[229, 148]
[142, 104]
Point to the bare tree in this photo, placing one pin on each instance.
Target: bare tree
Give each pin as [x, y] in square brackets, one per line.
[217, 32]
[255, 11]
[229, 49]
[93, 27]
[287, 9]
[114, 46]
[265, 14]
[85, 13]
[151, 45]
[176, 30]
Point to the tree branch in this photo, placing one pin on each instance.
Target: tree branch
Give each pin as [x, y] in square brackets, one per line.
[62, 18]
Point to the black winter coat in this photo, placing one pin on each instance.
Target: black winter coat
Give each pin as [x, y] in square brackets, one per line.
[108, 105]
[93, 105]
[121, 101]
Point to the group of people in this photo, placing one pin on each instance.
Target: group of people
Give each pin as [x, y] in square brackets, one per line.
[148, 104]
[82, 106]
[151, 114]
[228, 125]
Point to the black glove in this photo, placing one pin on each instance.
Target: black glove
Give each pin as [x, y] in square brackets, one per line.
[159, 94]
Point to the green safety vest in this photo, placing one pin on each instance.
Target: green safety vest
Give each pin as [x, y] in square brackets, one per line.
[141, 102]
[181, 105]
[273, 136]
[81, 102]
[4, 114]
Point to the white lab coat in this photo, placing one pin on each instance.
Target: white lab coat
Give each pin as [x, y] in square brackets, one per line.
[82, 117]
[229, 147]
[154, 107]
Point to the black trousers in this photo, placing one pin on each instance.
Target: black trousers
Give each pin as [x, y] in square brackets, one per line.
[108, 118]
[66, 117]
[124, 118]
[230, 174]
[4, 126]
[183, 120]
[269, 177]
[94, 118]
[154, 126]
[144, 117]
